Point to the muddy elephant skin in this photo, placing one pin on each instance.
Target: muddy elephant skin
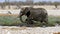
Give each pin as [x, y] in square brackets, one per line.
[34, 14]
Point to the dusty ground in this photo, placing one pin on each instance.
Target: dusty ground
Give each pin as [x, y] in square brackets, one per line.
[8, 14]
[54, 12]
[28, 30]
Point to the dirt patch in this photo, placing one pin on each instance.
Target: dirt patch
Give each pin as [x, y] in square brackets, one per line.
[56, 33]
[8, 14]
[29, 30]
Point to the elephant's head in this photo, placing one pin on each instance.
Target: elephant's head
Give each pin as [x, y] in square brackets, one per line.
[24, 11]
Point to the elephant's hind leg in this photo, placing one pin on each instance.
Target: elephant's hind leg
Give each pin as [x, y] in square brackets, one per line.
[46, 22]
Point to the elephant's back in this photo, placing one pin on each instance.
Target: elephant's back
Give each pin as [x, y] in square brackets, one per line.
[38, 10]
[38, 13]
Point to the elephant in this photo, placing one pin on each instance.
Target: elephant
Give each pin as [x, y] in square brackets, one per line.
[34, 14]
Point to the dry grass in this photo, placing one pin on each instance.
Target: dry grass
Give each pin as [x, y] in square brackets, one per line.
[57, 33]
[8, 14]
[22, 28]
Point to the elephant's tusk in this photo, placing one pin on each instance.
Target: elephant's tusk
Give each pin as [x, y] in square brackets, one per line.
[21, 19]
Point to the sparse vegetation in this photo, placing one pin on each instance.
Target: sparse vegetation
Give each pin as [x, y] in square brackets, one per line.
[31, 3]
[12, 20]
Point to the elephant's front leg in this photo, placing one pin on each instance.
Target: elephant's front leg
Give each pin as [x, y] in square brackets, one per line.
[29, 21]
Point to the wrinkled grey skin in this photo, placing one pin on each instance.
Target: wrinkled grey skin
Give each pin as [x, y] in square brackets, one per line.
[34, 14]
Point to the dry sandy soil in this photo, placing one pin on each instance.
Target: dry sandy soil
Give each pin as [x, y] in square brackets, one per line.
[28, 30]
[54, 12]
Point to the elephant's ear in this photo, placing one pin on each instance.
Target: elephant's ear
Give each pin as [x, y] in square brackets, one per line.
[26, 10]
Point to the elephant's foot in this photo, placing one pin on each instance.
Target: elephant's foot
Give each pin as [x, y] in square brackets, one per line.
[45, 24]
[29, 24]
[29, 21]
